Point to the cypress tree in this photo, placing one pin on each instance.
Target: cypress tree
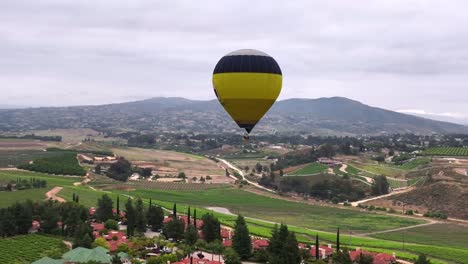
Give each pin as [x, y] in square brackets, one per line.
[338, 239]
[174, 211]
[291, 249]
[241, 241]
[73, 197]
[130, 214]
[195, 217]
[317, 251]
[140, 216]
[151, 202]
[188, 216]
[118, 206]
[77, 199]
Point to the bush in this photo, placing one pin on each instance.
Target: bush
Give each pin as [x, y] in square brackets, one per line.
[64, 164]
[111, 224]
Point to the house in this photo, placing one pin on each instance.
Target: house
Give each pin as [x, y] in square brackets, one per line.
[324, 251]
[259, 244]
[35, 225]
[197, 261]
[113, 238]
[80, 255]
[97, 227]
[85, 159]
[379, 258]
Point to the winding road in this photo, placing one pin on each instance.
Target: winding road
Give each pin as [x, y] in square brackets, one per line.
[230, 165]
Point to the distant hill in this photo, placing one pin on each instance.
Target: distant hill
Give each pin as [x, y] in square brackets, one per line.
[323, 116]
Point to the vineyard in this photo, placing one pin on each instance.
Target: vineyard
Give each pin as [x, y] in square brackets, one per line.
[26, 248]
[446, 151]
[146, 185]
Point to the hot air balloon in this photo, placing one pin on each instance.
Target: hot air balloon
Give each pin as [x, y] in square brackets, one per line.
[247, 83]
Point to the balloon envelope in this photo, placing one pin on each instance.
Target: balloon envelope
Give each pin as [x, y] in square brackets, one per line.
[247, 82]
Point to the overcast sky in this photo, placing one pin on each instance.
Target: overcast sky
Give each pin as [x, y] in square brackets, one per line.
[397, 54]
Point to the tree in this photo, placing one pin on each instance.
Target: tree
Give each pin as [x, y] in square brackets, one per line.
[155, 217]
[194, 218]
[97, 169]
[111, 224]
[211, 228]
[120, 170]
[317, 246]
[191, 235]
[422, 259]
[123, 248]
[118, 206]
[283, 247]
[182, 175]
[104, 209]
[230, 256]
[100, 242]
[188, 215]
[365, 259]
[380, 185]
[130, 215]
[338, 239]
[174, 211]
[174, 229]
[291, 249]
[241, 241]
[341, 257]
[116, 260]
[146, 172]
[140, 216]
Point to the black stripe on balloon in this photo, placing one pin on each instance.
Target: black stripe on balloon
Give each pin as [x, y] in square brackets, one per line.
[247, 127]
[247, 63]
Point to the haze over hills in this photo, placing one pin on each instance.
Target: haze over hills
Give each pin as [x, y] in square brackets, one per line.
[323, 116]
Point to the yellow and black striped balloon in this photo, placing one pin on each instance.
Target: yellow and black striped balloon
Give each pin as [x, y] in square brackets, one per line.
[247, 82]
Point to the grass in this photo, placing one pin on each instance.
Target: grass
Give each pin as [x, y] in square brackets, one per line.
[9, 198]
[414, 164]
[26, 248]
[450, 235]
[312, 168]
[379, 169]
[277, 210]
[14, 157]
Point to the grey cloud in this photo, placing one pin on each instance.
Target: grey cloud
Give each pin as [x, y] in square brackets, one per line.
[395, 54]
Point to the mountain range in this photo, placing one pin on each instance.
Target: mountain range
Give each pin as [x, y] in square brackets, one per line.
[323, 116]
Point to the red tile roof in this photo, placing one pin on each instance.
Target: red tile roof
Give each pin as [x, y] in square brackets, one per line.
[356, 253]
[260, 243]
[384, 259]
[225, 233]
[227, 243]
[97, 226]
[328, 250]
[197, 261]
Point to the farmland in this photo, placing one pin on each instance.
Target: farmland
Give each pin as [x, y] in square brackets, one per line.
[446, 151]
[271, 209]
[13, 249]
[63, 164]
[415, 163]
[451, 235]
[312, 168]
[9, 198]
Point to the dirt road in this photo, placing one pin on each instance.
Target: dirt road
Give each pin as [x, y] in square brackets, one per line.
[243, 176]
[431, 222]
[382, 196]
[343, 168]
[52, 194]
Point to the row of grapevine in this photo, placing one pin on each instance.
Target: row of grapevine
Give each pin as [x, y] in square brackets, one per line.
[26, 248]
[446, 151]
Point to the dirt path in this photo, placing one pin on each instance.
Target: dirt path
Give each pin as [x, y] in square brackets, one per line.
[52, 194]
[382, 196]
[431, 222]
[343, 168]
[243, 176]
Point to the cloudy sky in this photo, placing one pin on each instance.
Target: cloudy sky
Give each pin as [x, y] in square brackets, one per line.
[399, 54]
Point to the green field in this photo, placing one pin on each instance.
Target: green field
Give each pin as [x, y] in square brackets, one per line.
[379, 169]
[450, 235]
[26, 248]
[414, 164]
[277, 210]
[63, 164]
[9, 198]
[312, 168]
[14, 157]
[446, 151]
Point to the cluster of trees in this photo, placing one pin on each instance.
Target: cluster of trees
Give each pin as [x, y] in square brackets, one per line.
[35, 137]
[63, 164]
[137, 217]
[67, 219]
[120, 170]
[380, 186]
[23, 184]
